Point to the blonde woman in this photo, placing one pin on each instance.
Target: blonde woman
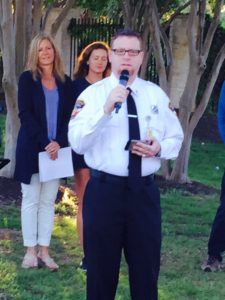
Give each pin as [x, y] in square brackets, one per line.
[45, 102]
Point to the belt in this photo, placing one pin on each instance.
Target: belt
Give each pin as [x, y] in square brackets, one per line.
[118, 179]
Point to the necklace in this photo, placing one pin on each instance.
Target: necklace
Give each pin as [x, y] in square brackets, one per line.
[48, 79]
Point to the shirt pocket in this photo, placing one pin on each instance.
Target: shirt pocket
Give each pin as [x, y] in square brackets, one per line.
[157, 128]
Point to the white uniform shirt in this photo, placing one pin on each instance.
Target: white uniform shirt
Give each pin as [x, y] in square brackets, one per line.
[102, 138]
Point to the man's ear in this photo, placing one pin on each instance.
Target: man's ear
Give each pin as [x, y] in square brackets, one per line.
[142, 56]
[110, 55]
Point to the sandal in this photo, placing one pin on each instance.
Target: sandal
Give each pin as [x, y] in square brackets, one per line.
[29, 261]
[48, 262]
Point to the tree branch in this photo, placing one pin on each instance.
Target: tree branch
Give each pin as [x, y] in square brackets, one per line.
[20, 34]
[61, 16]
[58, 3]
[174, 15]
[28, 27]
[191, 30]
[165, 40]
[155, 33]
[45, 18]
[213, 26]
[126, 12]
[169, 55]
[1, 17]
[209, 87]
[137, 14]
[164, 8]
[145, 37]
[202, 8]
[37, 15]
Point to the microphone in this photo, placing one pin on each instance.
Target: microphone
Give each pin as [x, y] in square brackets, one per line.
[124, 77]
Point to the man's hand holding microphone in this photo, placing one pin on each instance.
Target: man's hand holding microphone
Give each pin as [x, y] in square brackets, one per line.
[118, 95]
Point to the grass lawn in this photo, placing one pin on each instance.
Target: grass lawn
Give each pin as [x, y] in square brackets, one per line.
[186, 224]
[207, 161]
[187, 220]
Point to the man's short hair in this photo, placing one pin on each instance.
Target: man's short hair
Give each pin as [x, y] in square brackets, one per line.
[126, 32]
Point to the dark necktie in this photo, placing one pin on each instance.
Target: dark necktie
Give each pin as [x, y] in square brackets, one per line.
[134, 168]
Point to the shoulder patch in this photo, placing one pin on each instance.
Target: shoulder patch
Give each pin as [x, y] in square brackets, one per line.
[77, 108]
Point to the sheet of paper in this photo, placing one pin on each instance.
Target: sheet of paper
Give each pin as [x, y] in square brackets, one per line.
[52, 169]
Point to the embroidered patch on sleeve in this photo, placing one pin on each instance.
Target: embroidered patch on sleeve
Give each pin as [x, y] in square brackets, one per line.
[77, 108]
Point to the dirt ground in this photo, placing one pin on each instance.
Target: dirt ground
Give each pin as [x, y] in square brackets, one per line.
[205, 131]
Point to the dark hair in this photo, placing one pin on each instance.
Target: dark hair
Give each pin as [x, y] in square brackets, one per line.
[126, 32]
[82, 68]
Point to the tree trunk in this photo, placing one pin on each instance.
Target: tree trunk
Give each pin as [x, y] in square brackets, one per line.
[187, 106]
[28, 28]
[180, 170]
[37, 14]
[9, 84]
[12, 124]
[20, 32]
[198, 49]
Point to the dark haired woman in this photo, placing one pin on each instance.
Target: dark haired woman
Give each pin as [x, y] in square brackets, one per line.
[93, 65]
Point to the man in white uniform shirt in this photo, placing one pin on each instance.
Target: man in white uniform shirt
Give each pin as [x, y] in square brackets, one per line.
[120, 212]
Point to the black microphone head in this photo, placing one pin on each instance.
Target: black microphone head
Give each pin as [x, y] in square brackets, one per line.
[124, 77]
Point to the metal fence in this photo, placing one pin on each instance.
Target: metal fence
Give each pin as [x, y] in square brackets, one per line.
[85, 31]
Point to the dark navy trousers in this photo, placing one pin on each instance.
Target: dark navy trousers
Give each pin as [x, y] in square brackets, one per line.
[216, 244]
[120, 215]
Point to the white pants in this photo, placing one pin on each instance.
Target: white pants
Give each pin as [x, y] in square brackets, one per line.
[37, 211]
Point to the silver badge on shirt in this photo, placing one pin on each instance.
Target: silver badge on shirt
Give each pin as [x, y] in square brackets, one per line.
[154, 109]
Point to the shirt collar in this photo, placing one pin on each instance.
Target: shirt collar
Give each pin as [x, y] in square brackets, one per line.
[134, 86]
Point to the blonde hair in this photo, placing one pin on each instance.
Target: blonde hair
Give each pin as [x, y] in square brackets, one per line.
[32, 61]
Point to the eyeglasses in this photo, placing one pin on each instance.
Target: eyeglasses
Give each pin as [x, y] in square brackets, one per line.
[131, 52]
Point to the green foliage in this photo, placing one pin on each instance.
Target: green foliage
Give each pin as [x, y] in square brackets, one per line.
[111, 8]
[206, 162]
[10, 217]
[172, 5]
